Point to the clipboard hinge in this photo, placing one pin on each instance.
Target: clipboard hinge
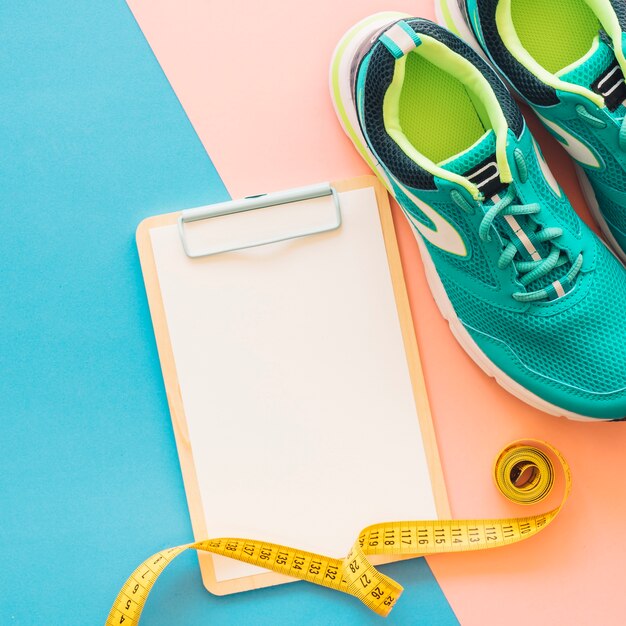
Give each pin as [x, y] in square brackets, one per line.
[259, 202]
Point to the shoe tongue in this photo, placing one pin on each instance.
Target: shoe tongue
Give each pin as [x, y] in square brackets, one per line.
[599, 71]
[478, 164]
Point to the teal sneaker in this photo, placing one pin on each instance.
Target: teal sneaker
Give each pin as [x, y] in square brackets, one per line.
[566, 59]
[532, 295]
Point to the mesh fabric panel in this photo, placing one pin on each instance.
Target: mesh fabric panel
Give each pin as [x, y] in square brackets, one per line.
[510, 109]
[380, 71]
[437, 114]
[613, 212]
[562, 210]
[476, 264]
[587, 72]
[613, 175]
[619, 113]
[402, 198]
[379, 75]
[559, 208]
[555, 34]
[620, 10]
[470, 158]
[583, 345]
[556, 274]
[525, 82]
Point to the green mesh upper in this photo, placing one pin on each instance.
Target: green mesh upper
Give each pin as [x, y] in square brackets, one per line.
[613, 173]
[425, 84]
[612, 211]
[476, 264]
[586, 72]
[561, 208]
[580, 347]
[466, 160]
[555, 33]
[566, 349]
[609, 181]
[569, 351]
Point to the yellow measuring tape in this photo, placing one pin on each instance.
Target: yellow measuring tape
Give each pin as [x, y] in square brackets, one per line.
[524, 473]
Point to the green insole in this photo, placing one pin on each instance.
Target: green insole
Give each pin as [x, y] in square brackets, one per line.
[554, 32]
[436, 112]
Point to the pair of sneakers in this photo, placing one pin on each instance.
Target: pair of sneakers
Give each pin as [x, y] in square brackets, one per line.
[535, 298]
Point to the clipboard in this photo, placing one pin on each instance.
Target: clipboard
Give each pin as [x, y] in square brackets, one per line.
[301, 295]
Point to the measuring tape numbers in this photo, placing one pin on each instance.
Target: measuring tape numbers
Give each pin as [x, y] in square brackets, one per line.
[524, 473]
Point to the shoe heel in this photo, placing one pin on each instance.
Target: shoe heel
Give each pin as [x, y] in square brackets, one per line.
[449, 15]
[340, 78]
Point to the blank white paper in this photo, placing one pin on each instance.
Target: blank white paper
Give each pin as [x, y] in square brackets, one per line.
[295, 382]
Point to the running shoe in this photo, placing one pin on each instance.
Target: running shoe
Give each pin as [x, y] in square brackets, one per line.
[566, 59]
[532, 295]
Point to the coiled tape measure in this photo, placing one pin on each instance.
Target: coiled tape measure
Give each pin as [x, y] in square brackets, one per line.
[523, 472]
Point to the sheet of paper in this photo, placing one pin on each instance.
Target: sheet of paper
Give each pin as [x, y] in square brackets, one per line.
[295, 384]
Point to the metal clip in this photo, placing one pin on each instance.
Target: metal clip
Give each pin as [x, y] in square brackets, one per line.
[259, 202]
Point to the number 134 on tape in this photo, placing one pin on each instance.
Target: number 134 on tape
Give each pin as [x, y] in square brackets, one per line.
[524, 472]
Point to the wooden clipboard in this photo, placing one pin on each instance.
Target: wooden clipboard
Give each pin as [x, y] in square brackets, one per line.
[197, 508]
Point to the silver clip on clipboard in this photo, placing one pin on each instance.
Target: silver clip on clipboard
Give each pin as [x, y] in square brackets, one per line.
[259, 202]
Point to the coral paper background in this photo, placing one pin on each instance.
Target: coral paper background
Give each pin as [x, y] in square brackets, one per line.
[95, 141]
[253, 79]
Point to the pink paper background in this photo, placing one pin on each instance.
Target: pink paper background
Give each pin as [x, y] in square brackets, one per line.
[252, 77]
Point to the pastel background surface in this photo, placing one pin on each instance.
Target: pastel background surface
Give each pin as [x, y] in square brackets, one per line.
[252, 78]
[94, 140]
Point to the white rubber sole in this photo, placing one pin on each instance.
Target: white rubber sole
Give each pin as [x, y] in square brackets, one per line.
[346, 112]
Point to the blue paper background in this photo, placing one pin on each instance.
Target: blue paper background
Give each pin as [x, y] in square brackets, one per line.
[92, 141]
